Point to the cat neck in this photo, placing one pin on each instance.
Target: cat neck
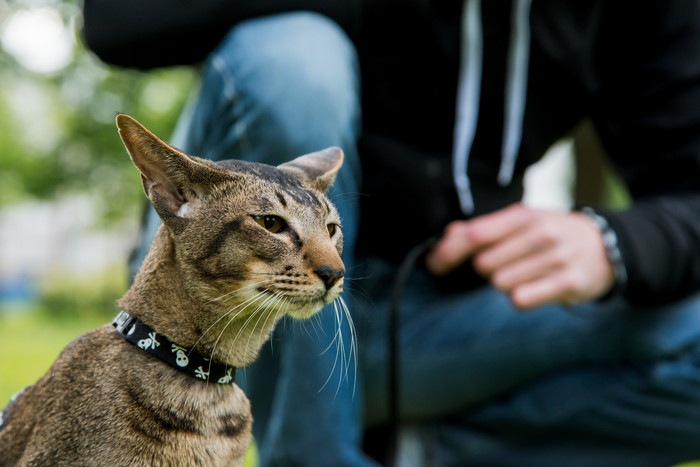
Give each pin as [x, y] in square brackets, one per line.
[163, 298]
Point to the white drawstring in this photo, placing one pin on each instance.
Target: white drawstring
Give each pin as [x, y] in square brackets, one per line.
[467, 113]
[516, 90]
[469, 87]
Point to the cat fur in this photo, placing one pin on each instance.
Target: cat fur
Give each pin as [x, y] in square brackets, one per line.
[216, 280]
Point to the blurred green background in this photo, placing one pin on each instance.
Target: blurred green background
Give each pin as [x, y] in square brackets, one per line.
[70, 199]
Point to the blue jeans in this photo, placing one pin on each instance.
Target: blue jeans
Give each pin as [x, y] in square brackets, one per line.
[481, 384]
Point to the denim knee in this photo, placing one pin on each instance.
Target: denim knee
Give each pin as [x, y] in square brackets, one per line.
[292, 78]
[662, 332]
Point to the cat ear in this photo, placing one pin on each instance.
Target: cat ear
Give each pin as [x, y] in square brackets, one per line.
[173, 181]
[318, 168]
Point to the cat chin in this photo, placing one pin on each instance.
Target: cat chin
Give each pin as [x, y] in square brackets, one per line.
[306, 309]
[305, 312]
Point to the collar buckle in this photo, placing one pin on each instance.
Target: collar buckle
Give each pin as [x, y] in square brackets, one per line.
[122, 321]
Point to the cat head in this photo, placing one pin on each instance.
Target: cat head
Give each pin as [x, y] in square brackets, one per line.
[245, 234]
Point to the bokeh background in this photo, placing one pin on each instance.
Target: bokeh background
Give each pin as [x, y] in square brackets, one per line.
[70, 199]
[71, 202]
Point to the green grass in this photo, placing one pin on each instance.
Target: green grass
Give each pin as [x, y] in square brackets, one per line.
[32, 336]
[30, 341]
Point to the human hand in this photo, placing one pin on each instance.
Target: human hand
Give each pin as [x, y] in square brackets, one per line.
[537, 257]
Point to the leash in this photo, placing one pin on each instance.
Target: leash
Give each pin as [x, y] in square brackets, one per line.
[405, 268]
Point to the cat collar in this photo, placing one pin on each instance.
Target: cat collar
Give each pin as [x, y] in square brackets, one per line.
[186, 360]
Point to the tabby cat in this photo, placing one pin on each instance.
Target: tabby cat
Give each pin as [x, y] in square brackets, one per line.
[242, 244]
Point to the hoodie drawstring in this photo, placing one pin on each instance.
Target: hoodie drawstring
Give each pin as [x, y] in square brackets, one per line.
[467, 112]
[468, 89]
[516, 90]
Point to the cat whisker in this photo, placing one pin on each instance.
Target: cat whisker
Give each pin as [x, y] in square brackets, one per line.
[357, 291]
[353, 338]
[349, 195]
[261, 307]
[218, 338]
[284, 302]
[276, 303]
[280, 310]
[330, 375]
[277, 318]
[352, 268]
[233, 318]
[233, 293]
[230, 293]
[335, 335]
[342, 358]
[313, 321]
[242, 305]
[273, 304]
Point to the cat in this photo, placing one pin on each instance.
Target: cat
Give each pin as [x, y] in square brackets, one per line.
[241, 245]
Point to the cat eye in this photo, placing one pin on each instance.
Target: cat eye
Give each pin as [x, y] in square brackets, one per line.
[332, 229]
[273, 224]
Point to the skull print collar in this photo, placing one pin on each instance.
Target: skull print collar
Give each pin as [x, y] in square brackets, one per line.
[187, 360]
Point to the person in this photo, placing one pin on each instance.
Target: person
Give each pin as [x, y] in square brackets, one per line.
[526, 337]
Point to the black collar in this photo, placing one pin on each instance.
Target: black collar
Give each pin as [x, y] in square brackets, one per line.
[187, 360]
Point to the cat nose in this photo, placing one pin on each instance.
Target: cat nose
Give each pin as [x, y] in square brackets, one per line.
[329, 276]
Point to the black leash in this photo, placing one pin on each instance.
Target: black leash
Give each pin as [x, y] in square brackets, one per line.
[405, 268]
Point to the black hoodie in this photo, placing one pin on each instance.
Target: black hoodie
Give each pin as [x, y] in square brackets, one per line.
[632, 68]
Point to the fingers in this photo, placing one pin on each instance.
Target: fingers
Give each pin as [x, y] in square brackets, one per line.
[535, 277]
[566, 262]
[537, 257]
[543, 279]
[527, 241]
[462, 239]
[564, 288]
[527, 269]
[453, 249]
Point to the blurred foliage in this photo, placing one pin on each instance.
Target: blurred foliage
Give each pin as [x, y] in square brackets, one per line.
[57, 133]
[57, 137]
[67, 297]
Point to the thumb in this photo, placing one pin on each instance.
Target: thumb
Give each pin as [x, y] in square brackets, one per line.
[451, 250]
